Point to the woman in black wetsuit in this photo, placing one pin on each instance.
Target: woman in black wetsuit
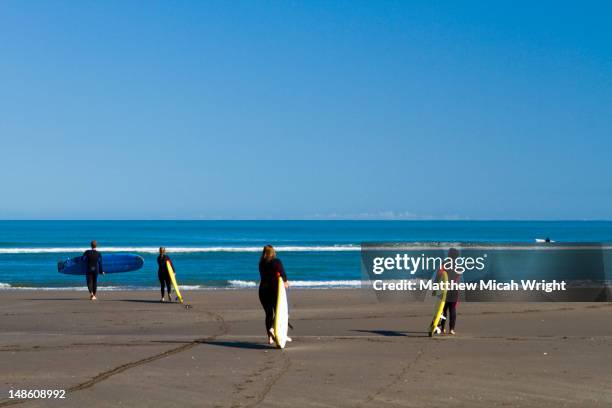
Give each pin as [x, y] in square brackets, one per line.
[270, 268]
[162, 272]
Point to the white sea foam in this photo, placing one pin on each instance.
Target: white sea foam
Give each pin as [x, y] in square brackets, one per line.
[232, 284]
[9, 287]
[327, 284]
[242, 284]
[304, 284]
[153, 250]
[84, 288]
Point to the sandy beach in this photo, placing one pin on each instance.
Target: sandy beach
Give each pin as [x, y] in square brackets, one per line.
[128, 349]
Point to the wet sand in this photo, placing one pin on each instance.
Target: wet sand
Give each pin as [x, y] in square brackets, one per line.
[127, 349]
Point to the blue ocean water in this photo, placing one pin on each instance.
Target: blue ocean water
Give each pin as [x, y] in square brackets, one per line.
[224, 254]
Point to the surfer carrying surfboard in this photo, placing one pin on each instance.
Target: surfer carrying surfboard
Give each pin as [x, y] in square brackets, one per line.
[163, 274]
[270, 269]
[452, 297]
[94, 267]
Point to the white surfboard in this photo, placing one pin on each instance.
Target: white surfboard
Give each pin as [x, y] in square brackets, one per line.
[281, 316]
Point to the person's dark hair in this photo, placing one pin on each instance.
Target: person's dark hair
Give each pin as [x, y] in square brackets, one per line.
[453, 253]
[162, 251]
[94, 244]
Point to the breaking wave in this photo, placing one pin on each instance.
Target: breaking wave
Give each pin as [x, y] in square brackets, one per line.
[154, 250]
[231, 284]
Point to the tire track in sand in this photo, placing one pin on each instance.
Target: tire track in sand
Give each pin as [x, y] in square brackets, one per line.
[246, 395]
[223, 328]
[270, 384]
[396, 378]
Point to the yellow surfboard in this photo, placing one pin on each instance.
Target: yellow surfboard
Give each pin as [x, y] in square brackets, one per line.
[173, 280]
[439, 307]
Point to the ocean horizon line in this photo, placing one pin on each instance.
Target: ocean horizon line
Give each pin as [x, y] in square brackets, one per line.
[300, 219]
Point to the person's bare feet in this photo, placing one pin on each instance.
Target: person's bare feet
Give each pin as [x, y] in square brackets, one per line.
[94, 297]
[452, 332]
[91, 297]
[271, 336]
[162, 299]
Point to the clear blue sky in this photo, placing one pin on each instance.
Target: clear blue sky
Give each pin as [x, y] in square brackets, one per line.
[379, 109]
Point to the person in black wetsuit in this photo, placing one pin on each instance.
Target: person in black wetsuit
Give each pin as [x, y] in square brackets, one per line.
[94, 267]
[270, 268]
[452, 297]
[162, 273]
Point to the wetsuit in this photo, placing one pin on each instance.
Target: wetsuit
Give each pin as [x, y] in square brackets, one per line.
[268, 287]
[94, 267]
[452, 300]
[162, 273]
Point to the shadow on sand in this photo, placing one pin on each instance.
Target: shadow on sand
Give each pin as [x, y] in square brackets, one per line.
[63, 299]
[393, 333]
[237, 344]
[86, 298]
[146, 301]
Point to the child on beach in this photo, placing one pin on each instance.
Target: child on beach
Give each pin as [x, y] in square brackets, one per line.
[270, 268]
